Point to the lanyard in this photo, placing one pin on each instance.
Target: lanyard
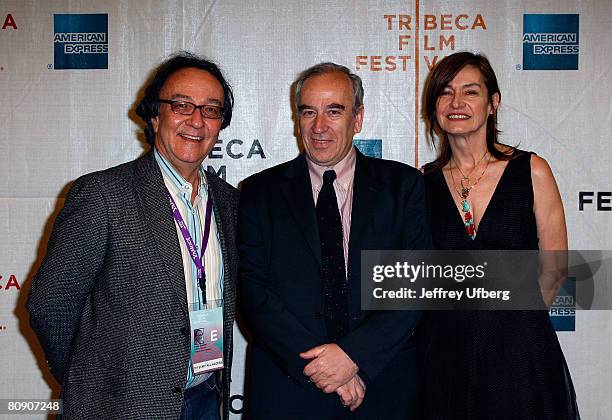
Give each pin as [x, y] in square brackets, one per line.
[191, 247]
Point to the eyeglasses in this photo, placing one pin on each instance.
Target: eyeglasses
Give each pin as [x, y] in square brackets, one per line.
[187, 108]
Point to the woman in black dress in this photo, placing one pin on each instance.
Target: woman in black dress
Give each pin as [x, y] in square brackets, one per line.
[486, 195]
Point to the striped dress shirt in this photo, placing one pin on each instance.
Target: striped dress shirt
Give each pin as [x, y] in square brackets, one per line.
[194, 215]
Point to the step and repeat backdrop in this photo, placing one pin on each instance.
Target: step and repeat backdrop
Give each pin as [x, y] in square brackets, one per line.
[72, 71]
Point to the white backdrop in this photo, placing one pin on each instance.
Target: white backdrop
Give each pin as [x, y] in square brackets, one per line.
[59, 124]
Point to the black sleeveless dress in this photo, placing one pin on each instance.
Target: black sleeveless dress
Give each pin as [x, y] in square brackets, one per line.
[491, 364]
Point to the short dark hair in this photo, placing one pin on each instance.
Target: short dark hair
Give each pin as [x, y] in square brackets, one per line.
[441, 75]
[148, 107]
[323, 68]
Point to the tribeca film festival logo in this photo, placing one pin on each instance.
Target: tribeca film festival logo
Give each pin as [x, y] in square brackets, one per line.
[595, 200]
[8, 284]
[80, 41]
[551, 42]
[11, 285]
[438, 38]
[9, 22]
[233, 149]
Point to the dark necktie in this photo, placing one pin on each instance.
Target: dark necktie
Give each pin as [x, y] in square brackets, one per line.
[332, 260]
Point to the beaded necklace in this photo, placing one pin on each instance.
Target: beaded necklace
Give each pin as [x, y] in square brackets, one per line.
[464, 192]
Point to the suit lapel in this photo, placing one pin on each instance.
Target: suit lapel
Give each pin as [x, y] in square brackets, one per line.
[366, 189]
[297, 190]
[158, 217]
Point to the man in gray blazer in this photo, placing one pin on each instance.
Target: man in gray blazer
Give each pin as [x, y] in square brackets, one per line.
[135, 298]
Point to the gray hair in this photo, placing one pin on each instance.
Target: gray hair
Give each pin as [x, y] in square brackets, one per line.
[324, 68]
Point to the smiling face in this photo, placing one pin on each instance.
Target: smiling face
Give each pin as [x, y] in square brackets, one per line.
[326, 119]
[463, 106]
[185, 140]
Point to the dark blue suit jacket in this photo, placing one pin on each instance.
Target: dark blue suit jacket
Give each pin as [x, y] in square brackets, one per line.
[281, 294]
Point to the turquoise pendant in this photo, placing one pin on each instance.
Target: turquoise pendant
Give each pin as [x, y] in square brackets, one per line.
[465, 206]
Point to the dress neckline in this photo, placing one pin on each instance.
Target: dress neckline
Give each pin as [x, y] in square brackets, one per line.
[458, 217]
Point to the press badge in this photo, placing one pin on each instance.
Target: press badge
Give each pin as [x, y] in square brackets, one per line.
[207, 338]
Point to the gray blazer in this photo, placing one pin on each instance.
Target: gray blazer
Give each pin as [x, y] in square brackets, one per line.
[109, 304]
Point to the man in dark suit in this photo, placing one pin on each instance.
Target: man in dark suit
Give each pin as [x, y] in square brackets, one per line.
[302, 226]
[129, 272]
